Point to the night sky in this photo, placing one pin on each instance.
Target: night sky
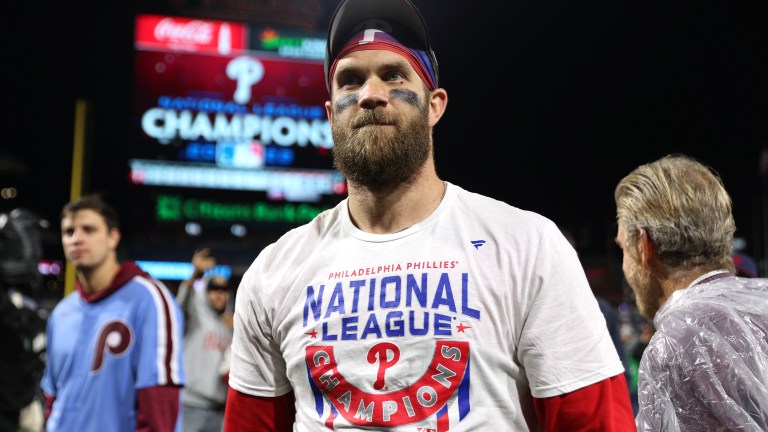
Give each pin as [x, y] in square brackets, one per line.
[550, 102]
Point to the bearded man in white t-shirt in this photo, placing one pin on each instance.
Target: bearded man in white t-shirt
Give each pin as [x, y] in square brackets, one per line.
[415, 304]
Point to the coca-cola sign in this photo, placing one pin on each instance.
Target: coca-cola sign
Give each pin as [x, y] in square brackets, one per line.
[158, 32]
[191, 32]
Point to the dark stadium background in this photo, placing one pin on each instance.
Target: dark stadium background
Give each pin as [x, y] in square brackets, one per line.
[550, 102]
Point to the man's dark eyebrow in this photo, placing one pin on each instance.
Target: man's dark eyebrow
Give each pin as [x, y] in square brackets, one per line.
[349, 71]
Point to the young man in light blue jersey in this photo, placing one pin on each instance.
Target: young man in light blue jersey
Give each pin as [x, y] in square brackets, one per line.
[114, 345]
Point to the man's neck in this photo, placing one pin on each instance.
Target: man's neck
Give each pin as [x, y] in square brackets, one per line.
[98, 278]
[383, 211]
[683, 279]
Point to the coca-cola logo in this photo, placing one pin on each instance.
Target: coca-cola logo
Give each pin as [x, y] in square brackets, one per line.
[193, 32]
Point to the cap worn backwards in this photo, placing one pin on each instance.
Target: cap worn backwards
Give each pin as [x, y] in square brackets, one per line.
[401, 26]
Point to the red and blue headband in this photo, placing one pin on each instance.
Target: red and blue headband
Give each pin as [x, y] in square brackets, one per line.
[373, 39]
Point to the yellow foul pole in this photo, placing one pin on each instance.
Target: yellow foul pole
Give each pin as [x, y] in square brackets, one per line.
[76, 185]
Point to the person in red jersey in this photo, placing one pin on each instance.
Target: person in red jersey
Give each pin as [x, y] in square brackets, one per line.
[414, 304]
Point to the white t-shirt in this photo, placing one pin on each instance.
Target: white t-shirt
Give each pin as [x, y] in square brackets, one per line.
[454, 322]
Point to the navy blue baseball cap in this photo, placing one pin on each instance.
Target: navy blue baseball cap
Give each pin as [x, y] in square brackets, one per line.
[399, 18]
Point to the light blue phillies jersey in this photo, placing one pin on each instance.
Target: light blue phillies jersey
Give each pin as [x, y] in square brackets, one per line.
[102, 349]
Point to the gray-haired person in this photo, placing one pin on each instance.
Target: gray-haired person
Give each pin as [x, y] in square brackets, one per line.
[706, 367]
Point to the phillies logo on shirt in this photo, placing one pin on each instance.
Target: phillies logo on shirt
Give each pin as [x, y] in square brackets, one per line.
[115, 339]
[445, 381]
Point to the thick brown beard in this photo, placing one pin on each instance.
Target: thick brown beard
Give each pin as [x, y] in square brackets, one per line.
[379, 155]
[647, 291]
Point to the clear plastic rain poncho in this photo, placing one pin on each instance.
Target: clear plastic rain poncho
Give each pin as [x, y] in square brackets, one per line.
[706, 367]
